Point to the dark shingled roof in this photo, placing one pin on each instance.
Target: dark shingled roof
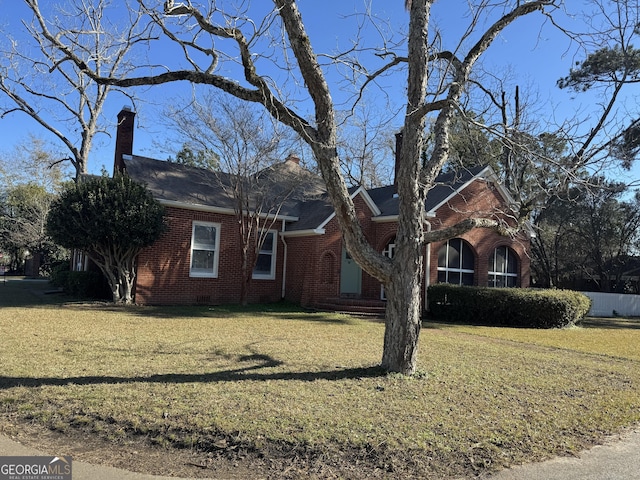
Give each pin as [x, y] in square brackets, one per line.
[200, 187]
[445, 185]
[180, 183]
[310, 203]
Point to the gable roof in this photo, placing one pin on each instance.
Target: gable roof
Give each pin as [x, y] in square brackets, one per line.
[315, 215]
[307, 210]
[446, 185]
[354, 192]
[450, 184]
[174, 182]
[197, 188]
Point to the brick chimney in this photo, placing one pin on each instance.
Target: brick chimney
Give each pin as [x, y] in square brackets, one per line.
[293, 158]
[124, 138]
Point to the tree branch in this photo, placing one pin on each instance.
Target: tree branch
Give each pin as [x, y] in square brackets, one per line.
[469, 224]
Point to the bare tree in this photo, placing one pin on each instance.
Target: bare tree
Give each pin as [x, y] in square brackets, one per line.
[610, 65]
[27, 188]
[365, 146]
[250, 149]
[434, 84]
[31, 161]
[55, 92]
[23, 215]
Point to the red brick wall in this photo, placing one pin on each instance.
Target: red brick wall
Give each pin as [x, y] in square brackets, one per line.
[313, 271]
[313, 267]
[301, 264]
[163, 268]
[480, 199]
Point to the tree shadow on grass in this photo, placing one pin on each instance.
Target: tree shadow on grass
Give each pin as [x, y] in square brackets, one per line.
[200, 311]
[258, 310]
[235, 375]
[39, 294]
[610, 323]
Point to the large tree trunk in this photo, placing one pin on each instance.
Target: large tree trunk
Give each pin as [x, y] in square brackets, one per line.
[400, 352]
[245, 284]
[119, 269]
[403, 319]
[125, 285]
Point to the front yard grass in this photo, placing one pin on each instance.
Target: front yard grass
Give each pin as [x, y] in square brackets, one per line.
[300, 387]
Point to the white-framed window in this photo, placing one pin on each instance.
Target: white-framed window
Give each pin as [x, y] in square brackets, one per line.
[205, 241]
[456, 263]
[503, 268]
[265, 267]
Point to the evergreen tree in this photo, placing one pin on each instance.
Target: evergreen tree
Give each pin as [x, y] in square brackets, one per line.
[111, 219]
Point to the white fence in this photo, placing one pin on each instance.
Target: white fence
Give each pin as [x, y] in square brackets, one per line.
[604, 304]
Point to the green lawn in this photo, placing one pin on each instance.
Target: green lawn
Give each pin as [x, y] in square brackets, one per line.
[280, 381]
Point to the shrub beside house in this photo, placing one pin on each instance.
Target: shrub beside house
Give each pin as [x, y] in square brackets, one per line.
[303, 259]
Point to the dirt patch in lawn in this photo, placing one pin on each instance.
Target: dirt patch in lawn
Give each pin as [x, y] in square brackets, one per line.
[224, 460]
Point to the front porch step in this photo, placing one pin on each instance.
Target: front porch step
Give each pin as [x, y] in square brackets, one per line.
[357, 306]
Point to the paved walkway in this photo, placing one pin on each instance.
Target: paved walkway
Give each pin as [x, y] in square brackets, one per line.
[617, 459]
[81, 470]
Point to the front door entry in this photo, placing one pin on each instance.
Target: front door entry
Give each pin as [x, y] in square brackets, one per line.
[350, 275]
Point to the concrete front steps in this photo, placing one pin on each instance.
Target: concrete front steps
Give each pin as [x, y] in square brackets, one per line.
[357, 306]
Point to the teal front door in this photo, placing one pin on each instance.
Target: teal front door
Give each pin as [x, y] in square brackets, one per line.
[350, 275]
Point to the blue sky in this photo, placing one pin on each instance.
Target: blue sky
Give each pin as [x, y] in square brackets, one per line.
[535, 53]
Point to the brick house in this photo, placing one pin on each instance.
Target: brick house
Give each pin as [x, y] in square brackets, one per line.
[303, 259]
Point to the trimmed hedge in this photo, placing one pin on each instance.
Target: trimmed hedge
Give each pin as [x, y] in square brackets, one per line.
[58, 274]
[509, 307]
[90, 284]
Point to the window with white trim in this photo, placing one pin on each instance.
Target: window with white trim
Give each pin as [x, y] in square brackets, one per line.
[205, 241]
[503, 268]
[266, 262]
[456, 263]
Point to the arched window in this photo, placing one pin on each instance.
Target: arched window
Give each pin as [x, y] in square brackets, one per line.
[456, 263]
[327, 268]
[503, 268]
